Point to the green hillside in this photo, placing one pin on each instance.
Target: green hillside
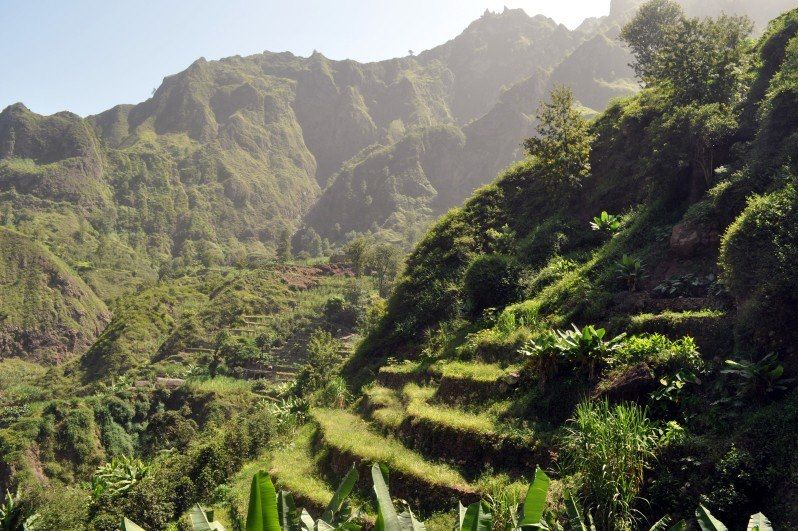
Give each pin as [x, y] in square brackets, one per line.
[47, 312]
[211, 285]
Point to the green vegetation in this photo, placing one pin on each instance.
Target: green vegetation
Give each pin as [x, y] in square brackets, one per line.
[180, 315]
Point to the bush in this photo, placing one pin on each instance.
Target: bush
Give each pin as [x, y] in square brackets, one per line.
[659, 352]
[759, 255]
[491, 281]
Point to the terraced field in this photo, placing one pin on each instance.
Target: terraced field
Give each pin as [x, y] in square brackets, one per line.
[436, 445]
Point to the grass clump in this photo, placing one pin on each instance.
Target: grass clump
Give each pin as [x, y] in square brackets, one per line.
[477, 371]
[609, 448]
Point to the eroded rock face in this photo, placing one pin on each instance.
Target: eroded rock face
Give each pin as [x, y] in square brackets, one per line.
[690, 240]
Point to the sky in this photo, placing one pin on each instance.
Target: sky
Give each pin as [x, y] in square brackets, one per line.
[86, 56]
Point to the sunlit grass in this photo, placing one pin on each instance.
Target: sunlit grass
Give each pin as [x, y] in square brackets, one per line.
[294, 469]
[351, 434]
[418, 406]
[473, 370]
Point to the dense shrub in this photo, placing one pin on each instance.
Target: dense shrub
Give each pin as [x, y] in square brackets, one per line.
[759, 255]
[491, 281]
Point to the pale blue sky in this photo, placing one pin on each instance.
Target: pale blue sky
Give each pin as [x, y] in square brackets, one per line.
[88, 55]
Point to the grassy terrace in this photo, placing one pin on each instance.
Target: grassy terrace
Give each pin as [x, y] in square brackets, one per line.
[418, 406]
[385, 406]
[294, 469]
[473, 370]
[405, 367]
[351, 434]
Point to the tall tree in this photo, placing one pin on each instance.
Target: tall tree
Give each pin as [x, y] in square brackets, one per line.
[649, 33]
[562, 145]
[700, 66]
[284, 252]
[696, 60]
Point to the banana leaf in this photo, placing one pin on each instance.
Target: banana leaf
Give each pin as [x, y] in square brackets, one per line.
[341, 493]
[707, 522]
[387, 519]
[535, 502]
[262, 513]
[759, 522]
[477, 517]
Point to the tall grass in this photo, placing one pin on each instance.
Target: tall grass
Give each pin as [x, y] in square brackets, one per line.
[609, 448]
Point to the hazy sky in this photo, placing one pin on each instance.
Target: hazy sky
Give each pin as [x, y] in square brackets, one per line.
[88, 55]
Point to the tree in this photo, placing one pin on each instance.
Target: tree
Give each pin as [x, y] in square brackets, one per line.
[284, 252]
[491, 281]
[562, 146]
[649, 33]
[8, 215]
[695, 60]
[385, 261]
[356, 253]
[700, 66]
[313, 243]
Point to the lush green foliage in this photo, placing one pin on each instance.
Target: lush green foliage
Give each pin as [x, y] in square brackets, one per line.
[491, 281]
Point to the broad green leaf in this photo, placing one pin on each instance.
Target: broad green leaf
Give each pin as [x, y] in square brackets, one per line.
[759, 522]
[477, 518]
[262, 513]
[341, 493]
[574, 515]
[409, 523]
[707, 522]
[387, 519]
[199, 521]
[286, 509]
[535, 501]
[321, 525]
[306, 521]
[461, 512]
[664, 524]
[202, 520]
[127, 525]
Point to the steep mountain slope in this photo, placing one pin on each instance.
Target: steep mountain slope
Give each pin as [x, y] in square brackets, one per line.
[46, 311]
[524, 245]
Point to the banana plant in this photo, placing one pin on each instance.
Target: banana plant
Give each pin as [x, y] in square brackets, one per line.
[16, 515]
[707, 522]
[608, 223]
[202, 520]
[262, 512]
[270, 510]
[387, 517]
[527, 517]
[475, 517]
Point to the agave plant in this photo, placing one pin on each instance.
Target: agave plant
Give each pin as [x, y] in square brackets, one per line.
[630, 271]
[607, 223]
[758, 378]
[118, 476]
[527, 516]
